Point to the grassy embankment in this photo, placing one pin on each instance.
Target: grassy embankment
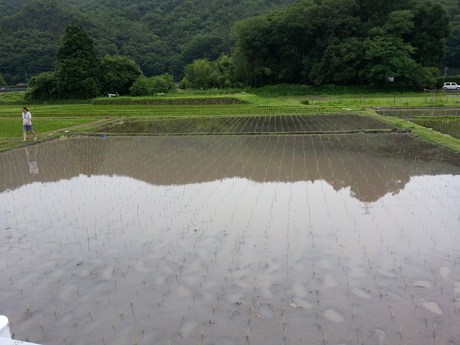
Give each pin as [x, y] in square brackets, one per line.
[56, 120]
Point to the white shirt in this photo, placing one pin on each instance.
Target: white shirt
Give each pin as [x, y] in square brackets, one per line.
[26, 118]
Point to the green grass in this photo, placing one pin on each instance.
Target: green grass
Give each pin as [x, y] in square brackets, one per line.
[140, 110]
[12, 128]
[84, 117]
[420, 131]
[12, 97]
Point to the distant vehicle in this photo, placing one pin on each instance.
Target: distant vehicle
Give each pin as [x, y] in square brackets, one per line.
[451, 86]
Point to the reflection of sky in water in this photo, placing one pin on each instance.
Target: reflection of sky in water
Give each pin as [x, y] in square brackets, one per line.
[151, 260]
[117, 259]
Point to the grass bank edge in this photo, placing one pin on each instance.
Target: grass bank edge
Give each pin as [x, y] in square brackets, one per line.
[421, 132]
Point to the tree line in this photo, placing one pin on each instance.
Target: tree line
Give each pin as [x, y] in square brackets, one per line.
[315, 42]
[81, 74]
[344, 42]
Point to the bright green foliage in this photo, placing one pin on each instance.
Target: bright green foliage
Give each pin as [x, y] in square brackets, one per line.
[141, 87]
[118, 73]
[78, 70]
[203, 74]
[224, 72]
[388, 56]
[144, 86]
[163, 84]
[198, 74]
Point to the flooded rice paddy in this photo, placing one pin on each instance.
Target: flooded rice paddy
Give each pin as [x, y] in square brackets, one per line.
[446, 121]
[230, 240]
[446, 125]
[249, 124]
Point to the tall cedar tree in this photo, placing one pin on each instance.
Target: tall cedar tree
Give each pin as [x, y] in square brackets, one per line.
[78, 72]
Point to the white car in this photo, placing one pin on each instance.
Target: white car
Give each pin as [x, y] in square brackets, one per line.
[451, 86]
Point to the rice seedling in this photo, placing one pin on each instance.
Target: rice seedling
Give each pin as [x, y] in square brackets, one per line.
[264, 209]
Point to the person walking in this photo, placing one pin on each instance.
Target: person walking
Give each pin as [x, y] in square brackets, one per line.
[27, 124]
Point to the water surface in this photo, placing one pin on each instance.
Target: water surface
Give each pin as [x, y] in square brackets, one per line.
[335, 239]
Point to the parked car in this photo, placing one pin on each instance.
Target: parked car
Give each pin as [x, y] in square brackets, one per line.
[451, 86]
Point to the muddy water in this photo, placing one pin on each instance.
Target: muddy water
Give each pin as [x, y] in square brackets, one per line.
[340, 239]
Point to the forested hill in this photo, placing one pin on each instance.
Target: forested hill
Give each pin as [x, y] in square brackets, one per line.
[160, 35]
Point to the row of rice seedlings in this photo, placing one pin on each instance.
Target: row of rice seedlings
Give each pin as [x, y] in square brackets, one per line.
[254, 222]
[174, 279]
[243, 237]
[450, 126]
[422, 228]
[251, 124]
[232, 124]
[255, 159]
[120, 219]
[110, 110]
[409, 113]
[371, 265]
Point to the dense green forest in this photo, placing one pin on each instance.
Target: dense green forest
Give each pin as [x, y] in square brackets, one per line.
[162, 36]
[258, 42]
[345, 42]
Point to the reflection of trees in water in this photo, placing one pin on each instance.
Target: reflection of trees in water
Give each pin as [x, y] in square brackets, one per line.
[368, 178]
[367, 172]
[371, 165]
[88, 155]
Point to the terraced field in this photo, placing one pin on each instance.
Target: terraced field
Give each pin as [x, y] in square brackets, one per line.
[249, 124]
[446, 121]
[235, 225]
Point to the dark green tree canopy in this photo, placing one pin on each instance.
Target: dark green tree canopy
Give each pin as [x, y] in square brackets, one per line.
[344, 42]
[43, 87]
[118, 73]
[80, 74]
[161, 84]
[154, 33]
[78, 67]
[203, 47]
[164, 36]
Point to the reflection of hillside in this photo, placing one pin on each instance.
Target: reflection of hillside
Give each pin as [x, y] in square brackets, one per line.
[371, 165]
[86, 155]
